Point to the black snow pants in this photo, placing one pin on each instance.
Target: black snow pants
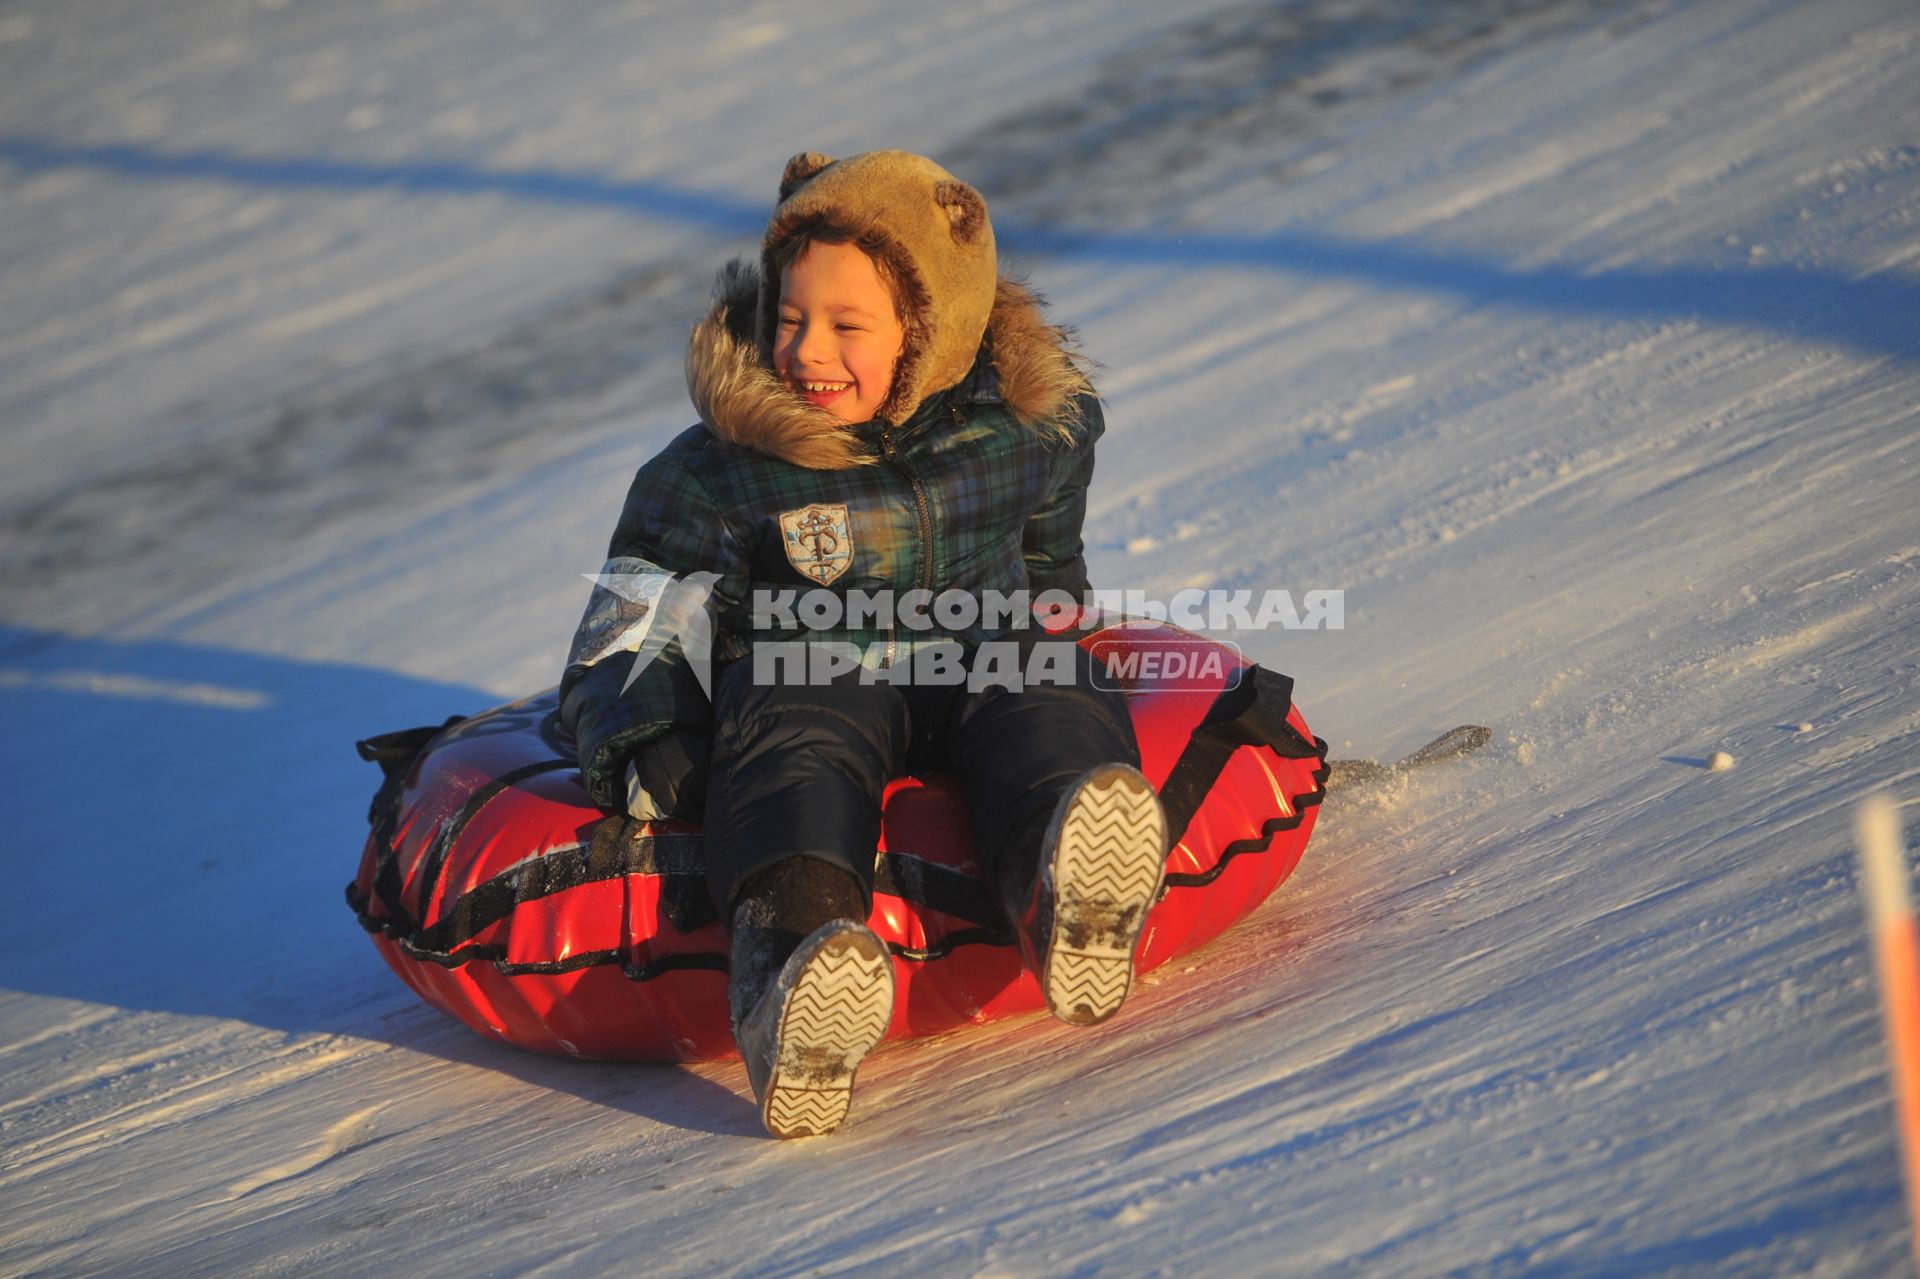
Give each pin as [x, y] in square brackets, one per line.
[797, 770]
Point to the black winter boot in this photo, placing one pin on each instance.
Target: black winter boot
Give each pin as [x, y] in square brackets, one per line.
[806, 1008]
[1100, 866]
[824, 1011]
[775, 909]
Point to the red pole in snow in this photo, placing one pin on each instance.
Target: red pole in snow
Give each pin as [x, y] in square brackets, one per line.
[1896, 947]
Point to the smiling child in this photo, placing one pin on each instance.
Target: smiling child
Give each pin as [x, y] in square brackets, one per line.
[882, 413]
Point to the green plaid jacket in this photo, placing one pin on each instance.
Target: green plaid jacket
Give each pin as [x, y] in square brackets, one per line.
[965, 498]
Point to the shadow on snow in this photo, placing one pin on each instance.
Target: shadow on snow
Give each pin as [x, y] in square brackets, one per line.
[1879, 314]
[182, 822]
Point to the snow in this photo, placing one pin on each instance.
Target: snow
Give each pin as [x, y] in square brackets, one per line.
[1579, 343]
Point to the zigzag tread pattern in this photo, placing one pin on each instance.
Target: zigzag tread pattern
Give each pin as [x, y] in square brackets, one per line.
[836, 1013]
[1111, 845]
[1091, 985]
[1108, 865]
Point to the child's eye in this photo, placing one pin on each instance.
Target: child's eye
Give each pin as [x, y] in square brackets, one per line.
[851, 328]
[788, 321]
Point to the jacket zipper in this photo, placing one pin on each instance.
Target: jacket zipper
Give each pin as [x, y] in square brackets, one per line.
[923, 514]
[923, 521]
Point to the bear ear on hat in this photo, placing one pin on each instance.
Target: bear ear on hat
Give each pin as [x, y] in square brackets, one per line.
[799, 169]
[966, 211]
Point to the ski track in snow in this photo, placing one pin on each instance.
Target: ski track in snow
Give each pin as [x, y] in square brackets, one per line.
[1611, 445]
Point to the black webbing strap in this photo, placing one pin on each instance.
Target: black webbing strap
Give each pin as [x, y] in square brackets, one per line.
[618, 848]
[940, 888]
[394, 752]
[1251, 713]
[621, 846]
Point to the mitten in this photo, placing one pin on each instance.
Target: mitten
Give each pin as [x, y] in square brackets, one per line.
[668, 779]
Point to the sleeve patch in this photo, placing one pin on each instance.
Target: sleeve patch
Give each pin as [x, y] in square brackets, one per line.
[622, 610]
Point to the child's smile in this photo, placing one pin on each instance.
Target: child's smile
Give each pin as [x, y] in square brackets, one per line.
[823, 393]
[838, 336]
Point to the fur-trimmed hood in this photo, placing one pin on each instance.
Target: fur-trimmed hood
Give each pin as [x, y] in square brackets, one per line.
[741, 401]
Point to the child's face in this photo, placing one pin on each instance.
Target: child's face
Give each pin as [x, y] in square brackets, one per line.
[837, 336]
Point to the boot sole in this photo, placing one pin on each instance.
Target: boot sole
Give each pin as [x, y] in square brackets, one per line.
[1108, 862]
[839, 1008]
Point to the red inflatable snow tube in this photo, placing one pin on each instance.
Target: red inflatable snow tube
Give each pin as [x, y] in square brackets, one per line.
[503, 897]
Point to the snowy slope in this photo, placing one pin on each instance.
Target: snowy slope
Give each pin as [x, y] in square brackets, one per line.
[1579, 343]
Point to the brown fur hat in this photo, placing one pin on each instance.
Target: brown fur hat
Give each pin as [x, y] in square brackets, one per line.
[930, 233]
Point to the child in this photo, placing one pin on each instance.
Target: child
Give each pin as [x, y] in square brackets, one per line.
[880, 412]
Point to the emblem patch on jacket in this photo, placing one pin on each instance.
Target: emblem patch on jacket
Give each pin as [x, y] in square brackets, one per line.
[819, 540]
[621, 612]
